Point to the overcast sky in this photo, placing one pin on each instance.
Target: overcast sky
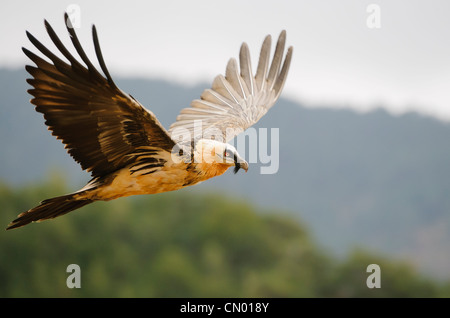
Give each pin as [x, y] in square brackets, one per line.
[401, 62]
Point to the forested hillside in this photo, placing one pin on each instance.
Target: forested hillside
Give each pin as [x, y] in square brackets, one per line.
[183, 244]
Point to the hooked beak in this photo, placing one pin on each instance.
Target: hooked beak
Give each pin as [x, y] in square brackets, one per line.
[241, 164]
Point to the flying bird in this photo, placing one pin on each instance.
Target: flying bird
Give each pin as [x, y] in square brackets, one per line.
[123, 145]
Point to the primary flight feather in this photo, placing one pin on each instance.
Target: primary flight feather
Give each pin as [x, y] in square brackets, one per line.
[123, 145]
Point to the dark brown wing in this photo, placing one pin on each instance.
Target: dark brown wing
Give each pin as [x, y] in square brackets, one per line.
[100, 125]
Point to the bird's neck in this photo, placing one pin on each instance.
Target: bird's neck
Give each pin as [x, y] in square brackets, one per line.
[210, 170]
[205, 159]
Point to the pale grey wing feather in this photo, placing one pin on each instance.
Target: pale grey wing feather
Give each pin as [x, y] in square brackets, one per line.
[239, 99]
[246, 69]
[263, 63]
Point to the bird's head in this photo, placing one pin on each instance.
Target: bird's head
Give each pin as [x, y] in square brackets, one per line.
[216, 152]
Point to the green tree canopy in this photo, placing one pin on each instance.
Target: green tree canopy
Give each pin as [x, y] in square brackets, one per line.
[182, 244]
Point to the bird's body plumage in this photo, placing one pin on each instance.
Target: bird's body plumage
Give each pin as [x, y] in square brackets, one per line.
[123, 145]
[173, 175]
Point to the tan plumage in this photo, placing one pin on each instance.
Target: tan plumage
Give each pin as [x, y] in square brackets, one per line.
[123, 145]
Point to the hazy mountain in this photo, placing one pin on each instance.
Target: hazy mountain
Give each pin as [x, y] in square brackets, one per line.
[371, 180]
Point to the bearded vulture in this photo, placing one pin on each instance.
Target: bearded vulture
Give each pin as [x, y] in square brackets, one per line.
[123, 145]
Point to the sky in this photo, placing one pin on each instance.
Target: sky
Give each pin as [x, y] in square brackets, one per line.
[355, 54]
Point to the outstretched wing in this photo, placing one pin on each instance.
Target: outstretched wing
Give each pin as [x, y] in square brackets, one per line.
[238, 100]
[101, 126]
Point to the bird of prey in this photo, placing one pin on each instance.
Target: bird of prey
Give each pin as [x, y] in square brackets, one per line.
[123, 145]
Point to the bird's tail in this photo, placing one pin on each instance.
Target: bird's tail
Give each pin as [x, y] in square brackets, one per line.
[49, 209]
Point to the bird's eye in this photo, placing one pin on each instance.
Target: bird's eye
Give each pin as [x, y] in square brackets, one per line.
[227, 154]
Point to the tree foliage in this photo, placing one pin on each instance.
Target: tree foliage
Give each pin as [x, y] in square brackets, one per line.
[182, 244]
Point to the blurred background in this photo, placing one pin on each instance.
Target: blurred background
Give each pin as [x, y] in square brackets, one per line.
[364, 150]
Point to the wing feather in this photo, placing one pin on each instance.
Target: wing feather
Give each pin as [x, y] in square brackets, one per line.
[101, 126]
[234, 78]
[213, 97]
[246, 69]
[238, 100]
[276, 61]
[263, 63]
[224, 88]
